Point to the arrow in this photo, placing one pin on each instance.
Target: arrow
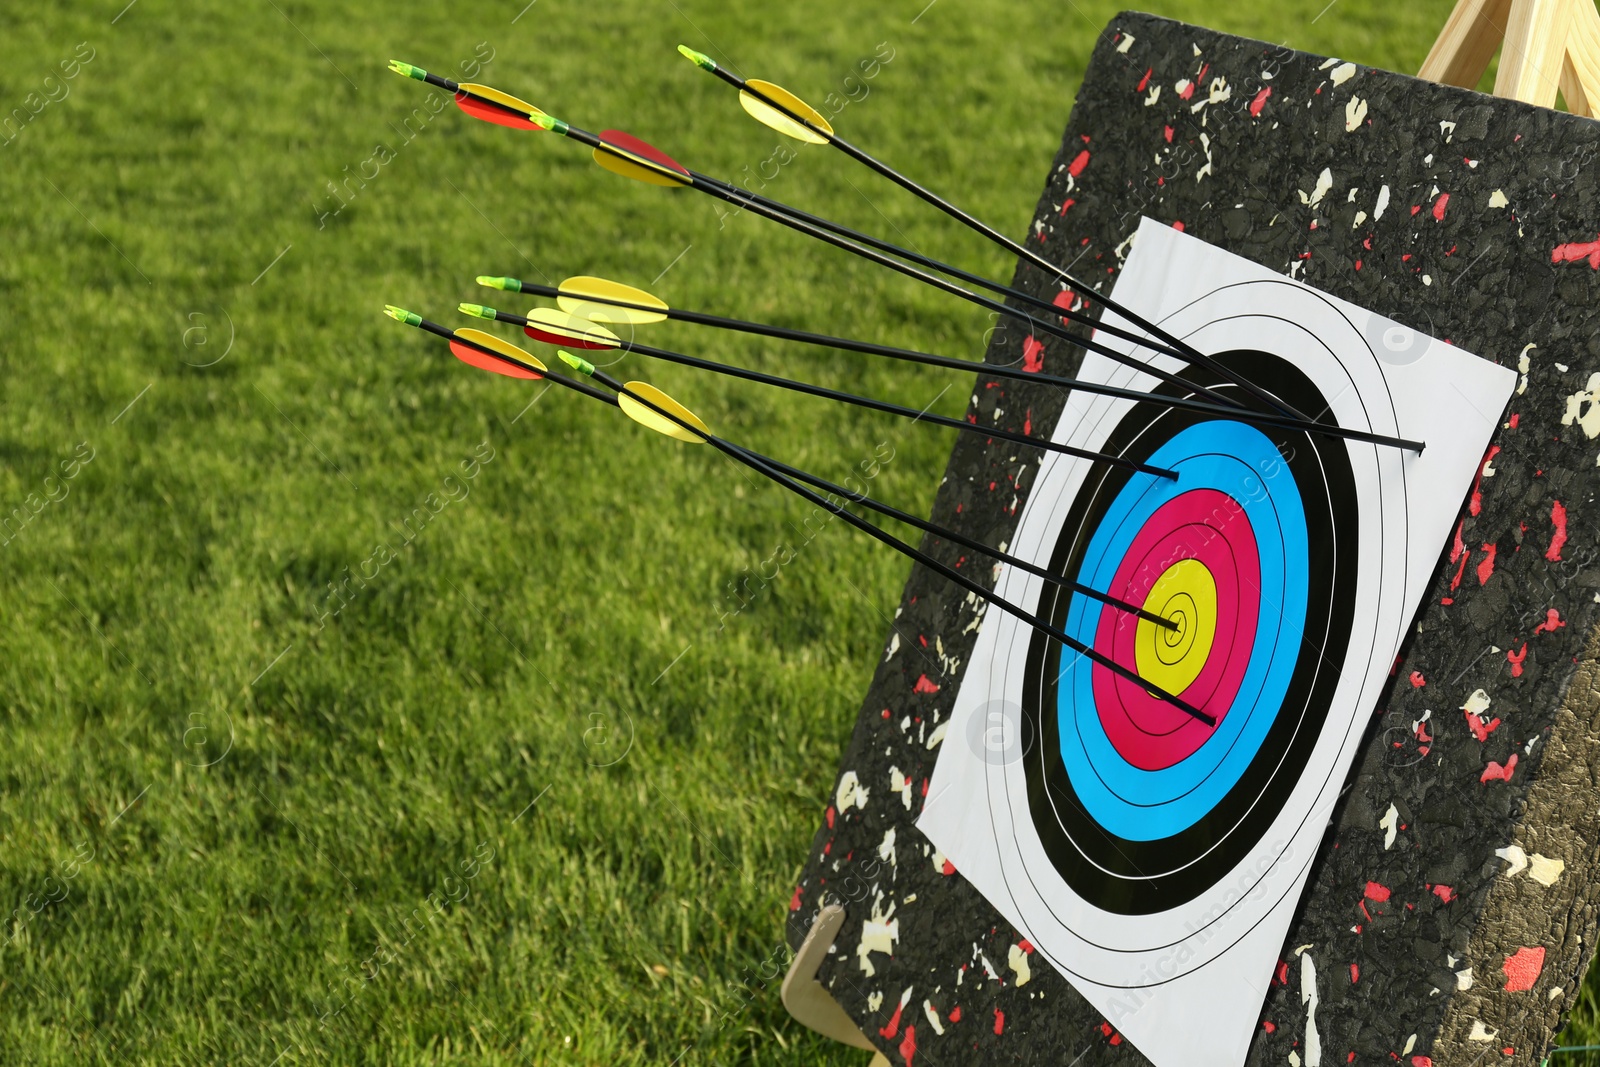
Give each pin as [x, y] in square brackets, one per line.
[556, 327]
[788, 114]
[602, 300]
[624, 154]
[673, 412]
[651, 407]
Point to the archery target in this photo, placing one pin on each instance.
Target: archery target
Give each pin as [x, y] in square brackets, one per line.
[1143, 851]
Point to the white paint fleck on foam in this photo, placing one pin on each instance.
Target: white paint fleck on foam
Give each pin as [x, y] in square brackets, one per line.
[1343, 73]
[1127, 43]
[1389, 824]
[1583, 408]
[1017, 960]
[851, 793]
[1308, 997]
[1329, 62]
[1324, 183]
[1544, 870]
[899, 783]
[1383, 203]
[1513, 855]
[938, 734]
[927, 1005]
[1427, 279]
[1355, 113]
[1361, 216]
[988, 968]
[1497, 199]
[1218, 92]
[1411, 1043]
[874, 1000]
[1464, 979]
[939, 861]
[878, 934]
[1481, 1032]
[894, 646]
[1524, 364]
[1205, 146]
[1448, 130]
[1155, 94]
[1479, 701]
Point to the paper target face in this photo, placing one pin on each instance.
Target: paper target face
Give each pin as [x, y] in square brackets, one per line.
[1147, 853]
[1140, 806]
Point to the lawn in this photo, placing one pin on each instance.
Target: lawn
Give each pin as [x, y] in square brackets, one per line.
[363, 708]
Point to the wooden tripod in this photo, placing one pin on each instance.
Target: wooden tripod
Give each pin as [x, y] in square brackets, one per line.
[1550, 45]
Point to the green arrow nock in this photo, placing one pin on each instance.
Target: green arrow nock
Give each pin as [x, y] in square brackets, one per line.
[407, 70]
[477, 309]
[577, 363]
[510, 284]
[410, 318]
[699, 59]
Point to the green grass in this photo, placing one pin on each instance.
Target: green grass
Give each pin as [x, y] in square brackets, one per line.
[232, 811]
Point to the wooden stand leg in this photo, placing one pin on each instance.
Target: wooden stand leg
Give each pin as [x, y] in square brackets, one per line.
[806, 1000]
[1549, 46]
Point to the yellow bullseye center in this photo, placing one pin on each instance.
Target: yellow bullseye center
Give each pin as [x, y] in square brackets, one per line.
[1187, 594]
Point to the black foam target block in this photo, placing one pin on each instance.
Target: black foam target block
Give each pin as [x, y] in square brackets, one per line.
[1452, 911]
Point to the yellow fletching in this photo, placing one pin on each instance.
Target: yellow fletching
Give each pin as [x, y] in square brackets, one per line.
[629, 165]
[581, 296]
[768, 115]
[494, 344]
[504, 99]
[644, 416]
[569, 329]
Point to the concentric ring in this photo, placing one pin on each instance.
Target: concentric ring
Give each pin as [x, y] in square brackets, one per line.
[1137, 810]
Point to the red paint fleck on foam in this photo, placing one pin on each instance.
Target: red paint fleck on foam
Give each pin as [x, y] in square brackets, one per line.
[1575, 253]
[1075, 168]
[1177, 224]
[1439, 204]
[1496, 773]
[1026, 946]
[1558, 516]
[1458, 551]
[1187, 91]
[893, 1026]
[1444, 893]
[1421, 1061]
[1269, 1026]
[999, 1021]
[1032, 354]
[1516, 658]
[1476, 505]
[1480, 729]
[924, 686]
[1515, 418]
[1027, 422]
[1144, 81]
[908, 1047]
[1486, 568]
[1169, 132]
[948, 868]
[1282, 977]
[955, 1014]
[794, 901]
[1522, 969]
[830, 812]
[1417, 680]
[1355, 976]
[1552, 622]
[1377, 892]
[1260, 102]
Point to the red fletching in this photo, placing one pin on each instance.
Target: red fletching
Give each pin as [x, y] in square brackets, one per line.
[561, 339]
[484, 361]
[629, 143]
[500, 116]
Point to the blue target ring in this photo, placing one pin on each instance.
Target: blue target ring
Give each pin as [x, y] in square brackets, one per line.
[1146, 805]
